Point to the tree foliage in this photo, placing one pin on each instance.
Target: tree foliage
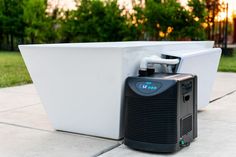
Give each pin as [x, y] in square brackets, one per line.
[163, 17]
[34, 18]
[11, 14]
[94, 21]
[168, 20]
[26, 21]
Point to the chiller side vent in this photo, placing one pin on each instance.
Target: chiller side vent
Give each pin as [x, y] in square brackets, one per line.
[186, 125]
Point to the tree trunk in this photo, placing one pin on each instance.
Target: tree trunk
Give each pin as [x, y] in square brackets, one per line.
[8, 42]
[12, 42]
[32, 38]
[1, 40]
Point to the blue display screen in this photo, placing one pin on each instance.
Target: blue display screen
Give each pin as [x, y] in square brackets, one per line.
[148, 87]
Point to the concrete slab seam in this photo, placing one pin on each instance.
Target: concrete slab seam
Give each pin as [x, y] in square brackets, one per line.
[17, 108]
[222, 96]
[108, 149]
[55, 132]
[22, 126]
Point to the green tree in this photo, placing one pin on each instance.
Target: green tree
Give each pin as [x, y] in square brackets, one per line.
[198, 9]
[163, 19]
[168, 20]
[114, 26]
[95, 20]
[1, 25]
[53, 24]
[11, 21]
[213, 8]
[67, 27]
[198, 14]
[136, 24]
[35, 20]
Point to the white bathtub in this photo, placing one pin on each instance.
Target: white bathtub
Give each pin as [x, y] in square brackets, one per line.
[81, 85]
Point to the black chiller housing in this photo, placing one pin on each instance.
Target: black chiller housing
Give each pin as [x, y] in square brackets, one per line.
[160, 112]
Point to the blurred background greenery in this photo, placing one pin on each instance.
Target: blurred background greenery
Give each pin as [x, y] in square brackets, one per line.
[36, 21]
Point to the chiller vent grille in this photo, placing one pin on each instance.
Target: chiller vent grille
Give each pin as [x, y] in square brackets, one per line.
[186, 125]
[151, 120]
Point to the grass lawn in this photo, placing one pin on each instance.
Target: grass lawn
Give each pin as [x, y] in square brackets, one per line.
[12, 70]
[228, 64]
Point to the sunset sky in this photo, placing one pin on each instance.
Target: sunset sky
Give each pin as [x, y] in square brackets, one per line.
[232, 6]
[70, 4]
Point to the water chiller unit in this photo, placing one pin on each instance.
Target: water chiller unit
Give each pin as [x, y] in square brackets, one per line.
[160, 112]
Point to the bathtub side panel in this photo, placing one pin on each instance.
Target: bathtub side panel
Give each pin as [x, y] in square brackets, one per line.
[79, 87]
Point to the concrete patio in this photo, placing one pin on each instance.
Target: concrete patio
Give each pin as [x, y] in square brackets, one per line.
[26, 132]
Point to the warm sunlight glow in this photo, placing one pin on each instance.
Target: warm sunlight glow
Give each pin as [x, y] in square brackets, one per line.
[221, 16]
[128, 4]
[232, 7]
[61, 4]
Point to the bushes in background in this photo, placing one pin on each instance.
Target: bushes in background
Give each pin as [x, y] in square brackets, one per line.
[27, 21]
